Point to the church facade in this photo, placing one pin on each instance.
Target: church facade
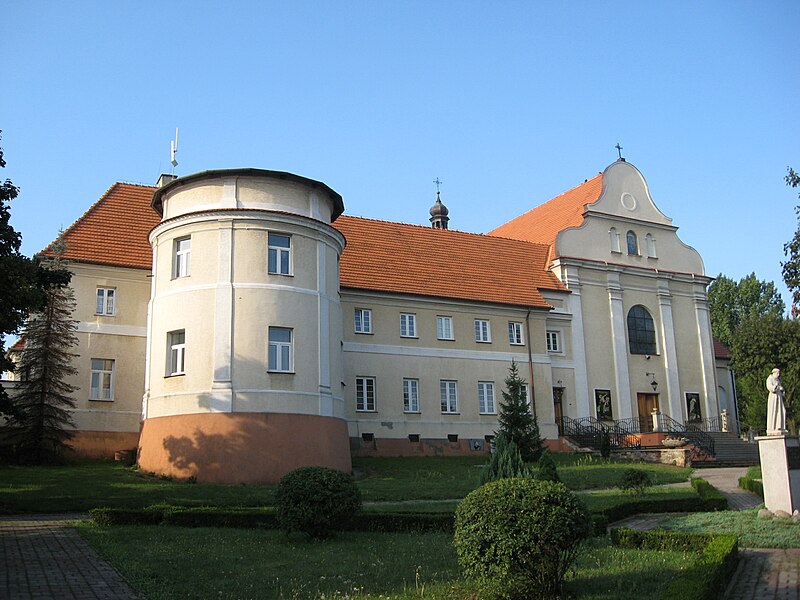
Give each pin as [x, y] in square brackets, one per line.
[236, 324]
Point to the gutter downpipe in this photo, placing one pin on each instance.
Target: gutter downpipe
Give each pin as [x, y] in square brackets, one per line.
[530, 361]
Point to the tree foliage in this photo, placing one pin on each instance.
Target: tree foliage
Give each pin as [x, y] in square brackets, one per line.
[517, 422]
[731, 303]
[22, 280]
[505, 461]
[763, 343]
[40, 420]
[791, 268]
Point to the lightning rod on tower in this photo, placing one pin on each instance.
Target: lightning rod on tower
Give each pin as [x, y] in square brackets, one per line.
[174, 149]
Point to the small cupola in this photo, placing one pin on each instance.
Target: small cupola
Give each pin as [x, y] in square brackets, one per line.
[439, 211]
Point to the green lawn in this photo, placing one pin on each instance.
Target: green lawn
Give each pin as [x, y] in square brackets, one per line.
[752, 532]
[171, 562]
[85, 485]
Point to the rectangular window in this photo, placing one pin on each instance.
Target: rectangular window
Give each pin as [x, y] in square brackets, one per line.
[525, 394]
[444, 328]
[279, 254]
[176, 345]
[365, 394]
[105, 301]
[102, 382]
[553, 343]
[408, 325]
[363, 319]
[515, 333]
[486, 398]
[483, 332]
[182, 251]
[411, 395]
[280, 349]
[449, 396]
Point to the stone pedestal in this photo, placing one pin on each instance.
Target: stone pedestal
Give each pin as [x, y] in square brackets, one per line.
[780, 469]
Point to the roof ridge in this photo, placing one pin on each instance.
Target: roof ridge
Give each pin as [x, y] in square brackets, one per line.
[445, 231]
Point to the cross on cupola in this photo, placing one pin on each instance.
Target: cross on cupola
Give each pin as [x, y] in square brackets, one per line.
[439, 211]
[619, 151]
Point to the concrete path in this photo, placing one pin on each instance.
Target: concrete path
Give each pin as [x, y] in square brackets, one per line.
[44, 558]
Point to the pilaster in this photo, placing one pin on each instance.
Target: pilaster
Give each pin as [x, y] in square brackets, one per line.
[619, 340]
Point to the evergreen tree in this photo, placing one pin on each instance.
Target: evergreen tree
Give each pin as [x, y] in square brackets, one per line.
[547, 468]
[516, 420]
[38, 426]
[505, 461]
[22, 280]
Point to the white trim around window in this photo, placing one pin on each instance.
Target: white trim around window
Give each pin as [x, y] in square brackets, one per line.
[448, 392]
[444, 327]
[362, 318]
[411, 395]
[486, 405]
[408, 325]
[279, 353]
[515, 337]
[101, 386]
[365, 394]
[106, 301]
[483, 331]
[176, 352]
[279, 254]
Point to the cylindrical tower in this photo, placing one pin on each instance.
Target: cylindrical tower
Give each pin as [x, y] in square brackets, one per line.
[244, 335]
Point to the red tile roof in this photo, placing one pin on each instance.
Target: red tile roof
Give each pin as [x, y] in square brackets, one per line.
[721, 350]
[115, 228]
[543, 223]
[411, 259]
[380, 255]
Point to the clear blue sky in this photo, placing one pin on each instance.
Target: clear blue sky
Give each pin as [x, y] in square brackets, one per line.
[508, 103]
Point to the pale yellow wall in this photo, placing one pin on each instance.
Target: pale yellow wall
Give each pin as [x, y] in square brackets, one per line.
[390, 358]
[120, 337]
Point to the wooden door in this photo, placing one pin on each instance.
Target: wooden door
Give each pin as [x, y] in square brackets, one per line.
[647, 403]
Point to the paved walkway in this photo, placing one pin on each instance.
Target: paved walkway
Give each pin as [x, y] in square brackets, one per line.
[43, 558]
[763, 573]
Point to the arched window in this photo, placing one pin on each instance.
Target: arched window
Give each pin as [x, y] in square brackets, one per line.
[651, 245]
[633, 246]
[641, 331]
[614, 238]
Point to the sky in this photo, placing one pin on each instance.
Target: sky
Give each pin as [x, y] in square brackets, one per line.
[507, 103]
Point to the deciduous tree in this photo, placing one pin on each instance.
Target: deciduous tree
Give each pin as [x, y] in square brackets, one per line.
[791, 268]
[731, 303]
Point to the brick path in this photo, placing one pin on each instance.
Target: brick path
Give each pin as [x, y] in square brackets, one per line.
[43, 558]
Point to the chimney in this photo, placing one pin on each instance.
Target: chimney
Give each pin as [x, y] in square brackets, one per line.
[165, 178]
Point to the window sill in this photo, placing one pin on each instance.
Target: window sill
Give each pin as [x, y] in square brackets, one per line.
[483, 341]
[446, 339]
[412, 412]
[280, 274]
[409, 337]
[273, 372]
[488, 414]
[104, 315]
[169, 375]
[451, 413]
[517, 344]
[101, 400]
[364, 410]
[363, 333]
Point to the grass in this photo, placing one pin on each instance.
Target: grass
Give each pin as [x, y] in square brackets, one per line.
[598, 500]
[752, 532]
[163, 563]
[84, 485]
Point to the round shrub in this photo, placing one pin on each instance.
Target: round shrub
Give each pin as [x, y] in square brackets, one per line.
[517, 537]
[635, 481]
[316, 501]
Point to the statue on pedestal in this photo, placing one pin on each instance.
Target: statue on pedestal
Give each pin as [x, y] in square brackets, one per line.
[776, 410]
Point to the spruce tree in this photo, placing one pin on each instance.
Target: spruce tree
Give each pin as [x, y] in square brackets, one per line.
[39, 425]
[505, 461]
[516, 420]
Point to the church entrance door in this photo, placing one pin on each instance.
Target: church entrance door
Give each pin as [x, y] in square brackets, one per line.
[647, 404]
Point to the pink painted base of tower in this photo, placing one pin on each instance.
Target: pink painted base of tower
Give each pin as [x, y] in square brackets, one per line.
[241, 447]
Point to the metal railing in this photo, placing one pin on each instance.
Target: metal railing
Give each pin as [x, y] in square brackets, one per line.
[711, 424]
[588, 432]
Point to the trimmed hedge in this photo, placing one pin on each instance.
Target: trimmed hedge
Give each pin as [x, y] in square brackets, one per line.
[253, 518]
[752, 485]
[707, 578]
[708, 499]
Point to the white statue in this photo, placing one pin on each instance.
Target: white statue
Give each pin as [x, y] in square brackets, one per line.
[776, 411]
